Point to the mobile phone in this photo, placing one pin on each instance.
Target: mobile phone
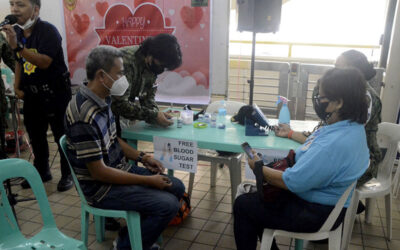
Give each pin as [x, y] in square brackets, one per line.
[247, 149]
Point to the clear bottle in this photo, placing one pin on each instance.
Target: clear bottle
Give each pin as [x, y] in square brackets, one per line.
[222, 114]
[284, 114]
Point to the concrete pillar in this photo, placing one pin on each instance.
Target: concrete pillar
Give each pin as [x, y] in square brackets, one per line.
[391, 92]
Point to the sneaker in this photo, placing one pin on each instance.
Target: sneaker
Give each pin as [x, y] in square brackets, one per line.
[65, 184]
[45, 178]
[112, 224]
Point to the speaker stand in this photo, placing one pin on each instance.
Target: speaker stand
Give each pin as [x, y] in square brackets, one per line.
[253, 55]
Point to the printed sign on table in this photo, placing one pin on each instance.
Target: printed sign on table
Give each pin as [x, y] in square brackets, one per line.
[176, 154]
[269, 155]
[120, 23]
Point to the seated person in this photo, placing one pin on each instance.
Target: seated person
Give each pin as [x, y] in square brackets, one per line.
[99, 157]
[354, 59]
[331, 159]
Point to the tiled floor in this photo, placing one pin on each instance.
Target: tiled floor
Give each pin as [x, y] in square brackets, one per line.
[209, 226]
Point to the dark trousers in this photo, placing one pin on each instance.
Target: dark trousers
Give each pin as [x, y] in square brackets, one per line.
[156, 207]
[289, 213]
[37, 117]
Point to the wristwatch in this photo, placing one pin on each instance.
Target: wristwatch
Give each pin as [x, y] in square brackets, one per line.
[259, 164]
[140, 158]
[19, 47]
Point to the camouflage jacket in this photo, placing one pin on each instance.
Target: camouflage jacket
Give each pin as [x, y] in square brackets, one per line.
[141, 85]
[370, 129]
[7, 55]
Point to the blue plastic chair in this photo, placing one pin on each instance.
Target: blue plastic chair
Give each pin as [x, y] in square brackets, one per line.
[10, 235]
[132, 218]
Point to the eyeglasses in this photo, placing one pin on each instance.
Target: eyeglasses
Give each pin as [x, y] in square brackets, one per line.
[318, 98]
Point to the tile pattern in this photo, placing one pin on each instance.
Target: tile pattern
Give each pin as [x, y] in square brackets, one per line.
[209, 226]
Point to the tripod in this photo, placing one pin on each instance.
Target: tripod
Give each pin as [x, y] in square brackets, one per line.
[12, 198]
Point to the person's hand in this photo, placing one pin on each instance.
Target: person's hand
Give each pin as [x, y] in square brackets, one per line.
[19, 93]
[11, 36]
[168, 114]
[162, 119]
[252, 161]
[152, 164]
[282, 130]
[159, 181]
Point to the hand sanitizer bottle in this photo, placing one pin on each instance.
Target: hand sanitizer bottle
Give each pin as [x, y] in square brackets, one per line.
[284, 114]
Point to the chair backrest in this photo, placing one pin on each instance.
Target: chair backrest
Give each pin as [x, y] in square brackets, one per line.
[388, 137]
[14, 168]
[327, 226]
[232, 107]
[63, 144]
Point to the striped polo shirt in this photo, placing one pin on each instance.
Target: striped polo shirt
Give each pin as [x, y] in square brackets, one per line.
[91, 135]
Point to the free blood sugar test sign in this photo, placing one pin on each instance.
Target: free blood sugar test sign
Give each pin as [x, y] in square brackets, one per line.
[120, 23]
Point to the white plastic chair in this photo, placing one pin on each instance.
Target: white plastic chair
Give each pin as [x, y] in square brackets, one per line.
[396, 179]
[324, 233]
[388, 137]
[212, 156]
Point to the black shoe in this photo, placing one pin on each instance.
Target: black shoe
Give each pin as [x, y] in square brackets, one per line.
[112, 224]
[45, 178]
[65, 184]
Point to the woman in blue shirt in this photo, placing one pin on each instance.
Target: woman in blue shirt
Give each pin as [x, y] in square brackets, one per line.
[330, 160]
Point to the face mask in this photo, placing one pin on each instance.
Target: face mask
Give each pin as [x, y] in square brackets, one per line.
[320, 108]
[156, 69]
[29, 23]
[119, 86]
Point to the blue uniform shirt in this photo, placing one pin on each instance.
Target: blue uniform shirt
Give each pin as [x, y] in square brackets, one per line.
[330, 160]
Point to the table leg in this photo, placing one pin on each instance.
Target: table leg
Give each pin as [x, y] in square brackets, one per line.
[191, 181]
[235, 172]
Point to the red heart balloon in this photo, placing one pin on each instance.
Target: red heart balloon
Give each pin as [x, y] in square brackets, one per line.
[81, 23]
[191, 16]
[101, 8]
[139, 2]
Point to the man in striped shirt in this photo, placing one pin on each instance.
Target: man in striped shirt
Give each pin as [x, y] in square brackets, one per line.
[100, 159]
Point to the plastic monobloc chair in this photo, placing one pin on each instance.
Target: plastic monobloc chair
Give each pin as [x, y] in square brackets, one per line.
[388, 137]
[10, 235]
[325, 232]
[213, 157]
[132, 218]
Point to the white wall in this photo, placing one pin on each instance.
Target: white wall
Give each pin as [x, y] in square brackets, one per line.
[391, 92]
[219, 46]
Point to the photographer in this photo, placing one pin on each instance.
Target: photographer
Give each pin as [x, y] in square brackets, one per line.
[42, 81]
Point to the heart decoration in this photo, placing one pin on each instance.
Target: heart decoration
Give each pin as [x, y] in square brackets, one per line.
[139, 2]
[80, 23]
[101, 8]
[191, 16]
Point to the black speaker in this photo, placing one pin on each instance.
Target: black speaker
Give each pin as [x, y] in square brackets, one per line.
[261, 16]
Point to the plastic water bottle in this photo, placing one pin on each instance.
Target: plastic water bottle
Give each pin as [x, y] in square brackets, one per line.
[284, 114]
[222, 114]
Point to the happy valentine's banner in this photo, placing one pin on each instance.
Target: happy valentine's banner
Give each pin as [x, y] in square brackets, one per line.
[120, 23]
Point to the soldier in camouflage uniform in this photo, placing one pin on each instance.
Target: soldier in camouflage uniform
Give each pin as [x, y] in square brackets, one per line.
[356, 59]
[7, 54]
[142, 64]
